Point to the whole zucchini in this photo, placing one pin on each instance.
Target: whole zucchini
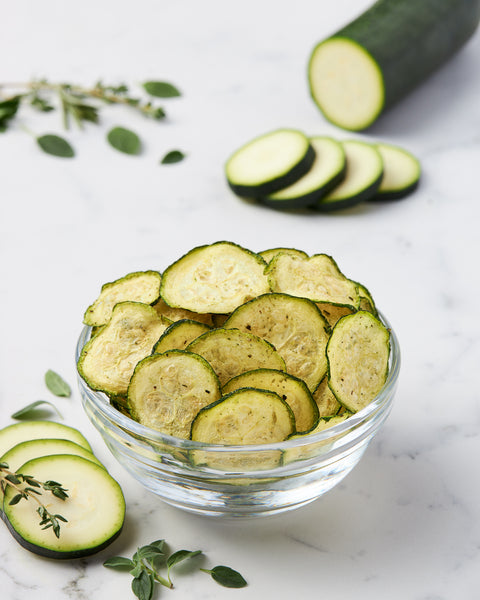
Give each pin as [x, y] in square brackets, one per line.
[371, 63]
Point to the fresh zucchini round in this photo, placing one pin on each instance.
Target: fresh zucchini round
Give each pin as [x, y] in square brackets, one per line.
[401, 173]
[269, 162]
[94, 509]
[362, 179]
[370, 64]
[326, 172]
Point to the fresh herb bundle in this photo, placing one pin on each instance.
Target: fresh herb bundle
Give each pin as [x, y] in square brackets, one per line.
[82, 105]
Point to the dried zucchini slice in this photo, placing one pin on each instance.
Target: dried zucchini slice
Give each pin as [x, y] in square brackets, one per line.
[358, 353]
[179, 335]
[167, 391]
[141, 286]
[244, 417]
[325, 399]
[313, 449]
[294, 326]
[317, 278]
[231, 352]
[289, 388]
[366, 300]
[214, 279]
[107, 361]
[180, 314]
[267, 255]
[333, 313]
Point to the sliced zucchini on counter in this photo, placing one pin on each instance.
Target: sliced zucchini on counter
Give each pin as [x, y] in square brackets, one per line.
[362, 178]
[326, 172]
[269, 162]
[358, 353]
[214, 279]
[107, 361]
[317, 278]
[231, 352]
[167, 391]
[289, 388]
[142, 286]
[401, 173]
[179, 335]
[94, 509]
[294, 326]
[245, 416]
[371, 63]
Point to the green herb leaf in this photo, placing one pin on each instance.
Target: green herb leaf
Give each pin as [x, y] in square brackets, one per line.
[161, 89]
[119, 563]
[57, 385]
[41, 104]
[180, 556]
[55, 145]
[124, 140]
[16, 499]
[30, 411]
[174, 156]
[226, 576]
[142, 585]
[8, 109]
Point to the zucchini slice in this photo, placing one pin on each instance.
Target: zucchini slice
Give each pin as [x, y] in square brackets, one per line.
[244, 417]
[333, 313]
[141, 286]
[317, 278]
[231, 352]
[362, 178]
[326, 173]
[94, 509]
[214, 279]
[267, 255]
[167, 391]
[294, 326]
[107, 361]
[401, 173]
[289, 388]
[374, 61]
[180, 314]
[327, 403]
[179, 335]
[269, 163]
[358, 353]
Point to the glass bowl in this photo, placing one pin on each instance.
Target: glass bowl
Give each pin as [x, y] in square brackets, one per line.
[239, 481]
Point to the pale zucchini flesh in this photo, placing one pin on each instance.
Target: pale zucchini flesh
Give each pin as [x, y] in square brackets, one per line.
[325, 399]
[141, 286]
[214, 279]
[294, 326]
[289, 388]
[179, 335]
[167, 391]
[267, 255]
[231, 352]
[358, 357]
[107, 361]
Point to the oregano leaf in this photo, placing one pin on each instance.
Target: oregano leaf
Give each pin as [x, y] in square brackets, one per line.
[55, 145]
[161, 89]
[174, 156]
[57, 385]
[180, 556]
[119, 563]
[124, 140]
[226, 576]
[30, 411]
[8, 109]
[142, 585]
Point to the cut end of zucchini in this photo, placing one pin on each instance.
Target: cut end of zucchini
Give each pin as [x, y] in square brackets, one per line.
[346, 83]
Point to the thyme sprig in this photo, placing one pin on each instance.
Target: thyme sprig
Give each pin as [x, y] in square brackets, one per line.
[27, 487]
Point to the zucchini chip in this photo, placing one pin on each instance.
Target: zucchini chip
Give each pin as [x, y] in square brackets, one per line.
[214, 279]
[289, 388]
[107, 361]
[167, 391]
[179, 314]
[325, 400]
[141, 286]
[179, 335]
[267, 255]
[311, 450]
[317, 278]
[294, 326]
[244, 417]
[231, 352]
[333, 313]
[358, 353]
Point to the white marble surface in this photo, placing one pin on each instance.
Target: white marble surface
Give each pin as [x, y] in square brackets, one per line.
[405, 524]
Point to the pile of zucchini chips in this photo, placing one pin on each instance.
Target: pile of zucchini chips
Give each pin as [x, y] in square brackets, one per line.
[286, 169]
[233, 347]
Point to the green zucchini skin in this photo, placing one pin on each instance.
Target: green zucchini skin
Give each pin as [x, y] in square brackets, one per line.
[409, 40]
[344, 203]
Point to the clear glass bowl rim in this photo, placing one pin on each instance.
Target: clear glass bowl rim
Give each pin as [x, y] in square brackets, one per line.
[380, 404]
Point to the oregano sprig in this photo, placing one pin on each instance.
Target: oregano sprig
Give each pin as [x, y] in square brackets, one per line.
[27, 487]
